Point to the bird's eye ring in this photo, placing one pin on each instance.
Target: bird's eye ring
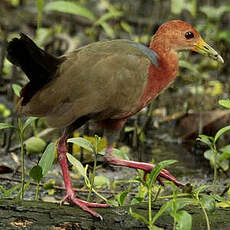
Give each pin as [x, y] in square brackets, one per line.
[189, 35]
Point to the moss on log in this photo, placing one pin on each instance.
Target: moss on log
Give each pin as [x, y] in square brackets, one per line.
[44, 215]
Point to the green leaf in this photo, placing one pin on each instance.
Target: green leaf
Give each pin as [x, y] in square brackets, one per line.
[138, 216]
[129, 129]
[225, 103]
[129, 29]
[82, 143]
[70, 8]
[49, 184]
[156, 171]
[223, 163]
[208, 202]
[87, 181]
[108, 29]
[178, 5]
[7, 126]
[214, 12]
[121, 196]
[205, 139]
[101, 181]
[218, 198]
[137, 200]
[47, 159]
[16, 88]
[120, 154]
[224, 35]
[28, 122]
[183, 220]
[18, 197]
[163, 208]
[36, 173]
[221, 132]
[201, 189]
[156, 228]
[42, 34]
[188, 65]
[181, 202]
[4, 111]
[209, 155]
[35, 145]
[113, 203]
[8, 192]
[76, 163]
[2, 189]
[226, 148]
[225, 156]
[107, 16]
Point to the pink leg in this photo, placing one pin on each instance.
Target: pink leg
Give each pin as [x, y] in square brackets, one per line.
[111, 159]
[70, 196]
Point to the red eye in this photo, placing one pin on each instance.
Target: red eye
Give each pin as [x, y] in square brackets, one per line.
[189, 35]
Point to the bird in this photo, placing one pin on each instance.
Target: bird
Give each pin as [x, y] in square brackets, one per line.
[104, 81]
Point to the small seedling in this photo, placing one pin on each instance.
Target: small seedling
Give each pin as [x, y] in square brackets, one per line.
[20, 129]
[89, 181]
[217, 157]
[39, 171]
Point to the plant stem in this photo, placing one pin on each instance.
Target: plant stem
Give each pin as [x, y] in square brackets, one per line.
[178, 195]
[174, 206]
[174, 224]
[206, 216]
[40, 6]
[21, 137]
[150, 208]
[215, 168]
[157, 195]
[34, 128]
[93, 175]
[98, 194]
[37, 191]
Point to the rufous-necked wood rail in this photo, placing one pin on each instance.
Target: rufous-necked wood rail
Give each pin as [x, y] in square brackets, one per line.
[106, 81]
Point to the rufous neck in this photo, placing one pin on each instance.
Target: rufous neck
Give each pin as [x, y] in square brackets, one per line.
[164, 49]
[161, 46]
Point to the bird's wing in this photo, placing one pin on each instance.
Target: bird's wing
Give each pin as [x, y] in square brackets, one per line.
[102, 80]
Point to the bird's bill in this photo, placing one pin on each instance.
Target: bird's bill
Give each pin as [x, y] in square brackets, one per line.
[203, 48]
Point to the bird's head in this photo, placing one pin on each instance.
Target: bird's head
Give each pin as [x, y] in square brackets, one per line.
[180, 35]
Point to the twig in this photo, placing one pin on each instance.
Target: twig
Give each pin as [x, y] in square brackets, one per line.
[78, 190]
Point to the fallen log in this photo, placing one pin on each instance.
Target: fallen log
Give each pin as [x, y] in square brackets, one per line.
[44, 215]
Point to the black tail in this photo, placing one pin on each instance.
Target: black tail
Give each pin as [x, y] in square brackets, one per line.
[39, 66]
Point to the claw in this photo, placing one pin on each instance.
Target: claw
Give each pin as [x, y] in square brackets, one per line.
[65, 198]
[86, 206]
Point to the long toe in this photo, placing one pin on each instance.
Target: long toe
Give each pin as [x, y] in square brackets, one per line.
[147, 167]
[168, 176]
[86, 206]
[92, 205]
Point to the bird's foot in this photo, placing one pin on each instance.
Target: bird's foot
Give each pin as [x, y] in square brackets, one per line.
[147, 167]
[70, 197]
